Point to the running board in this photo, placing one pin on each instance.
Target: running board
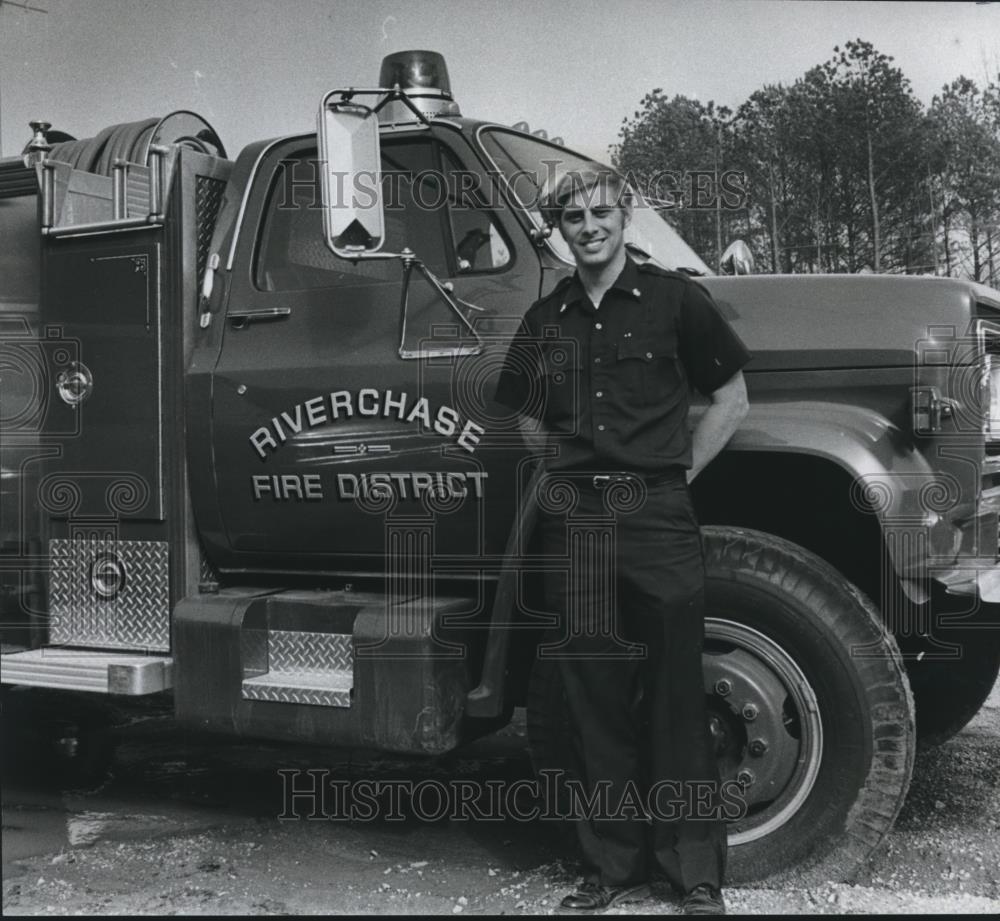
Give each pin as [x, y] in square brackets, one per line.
[87, 670]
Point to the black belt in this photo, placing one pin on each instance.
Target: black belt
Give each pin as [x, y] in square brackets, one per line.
[607, 478]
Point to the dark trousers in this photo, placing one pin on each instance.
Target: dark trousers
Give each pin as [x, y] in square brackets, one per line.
[627, 568]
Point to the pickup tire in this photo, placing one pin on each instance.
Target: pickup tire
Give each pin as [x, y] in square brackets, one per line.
[825, 749]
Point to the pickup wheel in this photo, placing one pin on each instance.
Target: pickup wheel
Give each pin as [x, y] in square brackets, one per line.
[809, 707]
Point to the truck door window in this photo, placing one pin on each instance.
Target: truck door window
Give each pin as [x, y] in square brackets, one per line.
[479, 244]
[421, 212]
[292, 253]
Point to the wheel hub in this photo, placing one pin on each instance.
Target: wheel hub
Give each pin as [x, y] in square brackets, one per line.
[753, 714]
[764, 722]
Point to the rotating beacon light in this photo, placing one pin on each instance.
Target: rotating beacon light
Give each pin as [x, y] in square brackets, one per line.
[423, 77]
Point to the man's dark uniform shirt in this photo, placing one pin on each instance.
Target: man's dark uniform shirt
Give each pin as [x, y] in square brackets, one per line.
[611, 383]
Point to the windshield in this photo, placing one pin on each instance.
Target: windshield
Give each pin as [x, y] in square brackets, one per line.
[528, 162]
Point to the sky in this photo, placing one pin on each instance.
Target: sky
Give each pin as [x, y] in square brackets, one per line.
[258, 68]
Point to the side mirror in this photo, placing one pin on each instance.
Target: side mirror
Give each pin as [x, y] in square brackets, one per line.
[350, 161]
[737, 259]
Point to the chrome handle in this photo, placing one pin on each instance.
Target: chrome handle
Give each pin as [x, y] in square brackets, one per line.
[242, 318]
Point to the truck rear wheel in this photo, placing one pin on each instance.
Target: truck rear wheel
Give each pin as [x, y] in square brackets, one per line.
[809, 707]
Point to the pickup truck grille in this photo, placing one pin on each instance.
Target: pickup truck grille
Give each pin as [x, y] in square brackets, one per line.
[987, 335]
[988, 347]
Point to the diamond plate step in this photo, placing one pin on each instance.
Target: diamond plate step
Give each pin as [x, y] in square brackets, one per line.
[86, 670]
[328, 688]
[302, 667]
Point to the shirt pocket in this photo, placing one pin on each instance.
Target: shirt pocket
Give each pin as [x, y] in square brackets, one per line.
[562, 368]
[649, 368]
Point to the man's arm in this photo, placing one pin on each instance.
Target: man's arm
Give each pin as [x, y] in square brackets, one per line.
[729, 406]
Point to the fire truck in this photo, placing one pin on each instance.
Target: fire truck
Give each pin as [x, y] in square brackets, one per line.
[253, 466]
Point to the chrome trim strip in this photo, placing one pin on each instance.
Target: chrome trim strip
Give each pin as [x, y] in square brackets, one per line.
[129, 223]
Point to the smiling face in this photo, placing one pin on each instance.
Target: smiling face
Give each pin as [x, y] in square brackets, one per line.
[593, 222]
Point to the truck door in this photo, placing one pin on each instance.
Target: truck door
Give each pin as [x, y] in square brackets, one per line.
[330, 419]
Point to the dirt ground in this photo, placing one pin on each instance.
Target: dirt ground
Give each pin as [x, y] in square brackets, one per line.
[186, 825]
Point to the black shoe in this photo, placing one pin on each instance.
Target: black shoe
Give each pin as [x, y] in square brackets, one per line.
[703, 900]
[593, 897]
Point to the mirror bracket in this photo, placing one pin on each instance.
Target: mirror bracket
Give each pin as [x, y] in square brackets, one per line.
[443, 290]
[390, 94]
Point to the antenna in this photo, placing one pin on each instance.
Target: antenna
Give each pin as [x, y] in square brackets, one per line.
[27, 7]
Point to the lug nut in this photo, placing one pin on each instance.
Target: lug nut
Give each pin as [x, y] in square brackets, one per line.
[723, 687]
[750, 712]
[758, 747]
[745, 778]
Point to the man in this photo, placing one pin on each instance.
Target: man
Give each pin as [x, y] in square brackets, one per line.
[618, 346]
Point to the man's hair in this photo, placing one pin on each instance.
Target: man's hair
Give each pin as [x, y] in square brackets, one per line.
[600, 185]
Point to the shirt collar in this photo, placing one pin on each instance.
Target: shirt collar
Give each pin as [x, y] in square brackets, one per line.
[628, 282]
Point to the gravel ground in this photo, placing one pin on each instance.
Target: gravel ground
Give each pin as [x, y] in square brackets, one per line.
[158, 847]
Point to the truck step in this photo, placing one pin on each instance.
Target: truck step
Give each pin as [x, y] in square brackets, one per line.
[302, 667]
[328, 688]
[87, 670]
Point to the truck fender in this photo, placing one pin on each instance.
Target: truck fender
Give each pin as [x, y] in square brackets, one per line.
[890, 478]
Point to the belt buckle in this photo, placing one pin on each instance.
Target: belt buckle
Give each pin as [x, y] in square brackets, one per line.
[602, 480]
